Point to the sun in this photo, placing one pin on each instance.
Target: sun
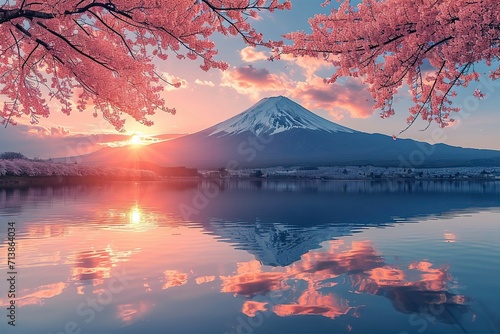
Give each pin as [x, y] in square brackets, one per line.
[135, 140]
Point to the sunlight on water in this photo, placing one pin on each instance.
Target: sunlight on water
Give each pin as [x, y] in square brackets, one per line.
[135, 216]
[256, 258]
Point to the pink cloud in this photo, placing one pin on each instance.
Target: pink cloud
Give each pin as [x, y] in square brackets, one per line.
[175, 82]
[308, 64]
[204, 83]
[55, 131]
[249, 80]
[351, 98]
[249, 55]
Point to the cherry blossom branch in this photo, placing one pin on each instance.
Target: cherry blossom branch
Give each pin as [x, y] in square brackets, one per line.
[425, 102]
[81, 37]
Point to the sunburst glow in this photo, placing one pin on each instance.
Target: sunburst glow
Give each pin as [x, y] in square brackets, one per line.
[135, 216]
[136, 140]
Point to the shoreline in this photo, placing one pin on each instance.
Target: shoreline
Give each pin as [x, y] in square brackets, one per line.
[27, 181]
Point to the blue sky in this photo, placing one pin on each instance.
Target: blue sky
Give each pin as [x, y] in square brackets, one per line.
[207, 98]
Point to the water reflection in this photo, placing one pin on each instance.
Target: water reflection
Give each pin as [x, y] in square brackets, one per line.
[92, 265]
[251, 308]
[173, 278]
[205, 279]
[429, 294]
[450, 237]
[132, 218]
[309, 286]
[133, 312]
[312, 302]
[46, 231]
[38, 295]
[275, 248]
[135, 216]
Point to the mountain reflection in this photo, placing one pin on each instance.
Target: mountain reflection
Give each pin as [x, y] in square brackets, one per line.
[269, 247]
[308, 286]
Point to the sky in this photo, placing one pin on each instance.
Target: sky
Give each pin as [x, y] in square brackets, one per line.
[207, 98]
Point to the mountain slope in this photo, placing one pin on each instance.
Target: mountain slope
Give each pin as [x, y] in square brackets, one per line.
[273, 115]
[278, 131]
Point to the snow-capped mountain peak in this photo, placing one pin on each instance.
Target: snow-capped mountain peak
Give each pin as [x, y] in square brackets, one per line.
[273, 115]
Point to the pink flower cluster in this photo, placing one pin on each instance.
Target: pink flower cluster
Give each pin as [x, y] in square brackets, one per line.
[429, 46]
[99, 55]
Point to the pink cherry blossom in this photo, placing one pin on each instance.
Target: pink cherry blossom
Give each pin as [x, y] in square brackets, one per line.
[478, 94]
[100, 54]
[430, 46]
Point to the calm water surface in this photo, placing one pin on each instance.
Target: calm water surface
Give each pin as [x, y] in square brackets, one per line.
[254, 257]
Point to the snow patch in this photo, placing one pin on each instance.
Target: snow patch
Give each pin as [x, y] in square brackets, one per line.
[273, 115]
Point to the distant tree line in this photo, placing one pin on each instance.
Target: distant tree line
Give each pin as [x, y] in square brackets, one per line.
[12, 156]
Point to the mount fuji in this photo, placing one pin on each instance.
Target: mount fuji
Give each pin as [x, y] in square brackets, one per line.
[273, 115]
[277, 131]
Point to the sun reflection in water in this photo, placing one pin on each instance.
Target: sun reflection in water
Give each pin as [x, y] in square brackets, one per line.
[140, 220]
[135, 216]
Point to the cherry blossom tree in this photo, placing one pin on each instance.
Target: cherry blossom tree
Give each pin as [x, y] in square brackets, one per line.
[431, 46]
[101, 53]
[25, 167]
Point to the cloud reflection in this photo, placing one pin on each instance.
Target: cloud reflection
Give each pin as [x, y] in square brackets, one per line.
[450, 237]
[205, 279]
[428, 293]
[251, 280]
[251, 308]
[309, 284]
[174, 278]
[311, 302]
[38, 295]
[130, 313]
[92, 265]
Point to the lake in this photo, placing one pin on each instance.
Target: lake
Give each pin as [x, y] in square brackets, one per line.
[253, 257]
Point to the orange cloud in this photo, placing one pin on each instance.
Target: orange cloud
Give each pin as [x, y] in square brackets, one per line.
[351, 98]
